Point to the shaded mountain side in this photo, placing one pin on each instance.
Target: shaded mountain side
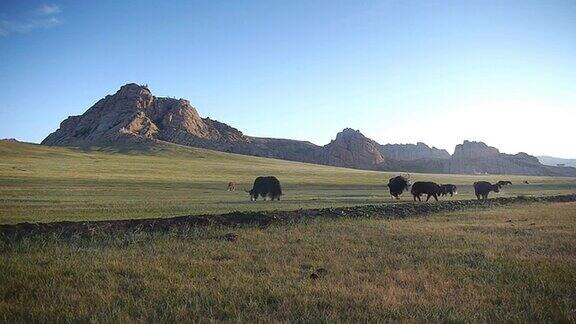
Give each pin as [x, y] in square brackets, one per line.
[412, 152]
[479, 158]
[134, 116]
[419, 166]
[277, 148]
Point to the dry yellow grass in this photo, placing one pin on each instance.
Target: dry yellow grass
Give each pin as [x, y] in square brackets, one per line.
[505, 264]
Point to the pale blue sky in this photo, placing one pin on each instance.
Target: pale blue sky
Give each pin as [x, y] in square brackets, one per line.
[400, 71]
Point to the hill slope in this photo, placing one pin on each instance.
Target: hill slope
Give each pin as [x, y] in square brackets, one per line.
[41, 183]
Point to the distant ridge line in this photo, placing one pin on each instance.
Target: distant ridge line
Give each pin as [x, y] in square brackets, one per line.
[134, 115]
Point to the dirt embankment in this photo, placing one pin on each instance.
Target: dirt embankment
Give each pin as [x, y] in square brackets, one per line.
[262, 219]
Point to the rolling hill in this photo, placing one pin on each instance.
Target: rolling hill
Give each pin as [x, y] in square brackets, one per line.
[42, 183]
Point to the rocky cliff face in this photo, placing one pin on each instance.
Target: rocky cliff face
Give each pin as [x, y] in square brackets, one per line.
[474, 150]
[351, 149]
[479, 158]
[133, 114]
[411, 152]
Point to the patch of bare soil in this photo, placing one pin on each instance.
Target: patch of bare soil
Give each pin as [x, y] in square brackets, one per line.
[11, 233]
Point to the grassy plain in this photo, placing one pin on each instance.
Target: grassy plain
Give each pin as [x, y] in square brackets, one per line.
[512, 264]
[39, 183]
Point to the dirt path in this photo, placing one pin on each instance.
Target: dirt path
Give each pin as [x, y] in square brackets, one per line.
[10, 233]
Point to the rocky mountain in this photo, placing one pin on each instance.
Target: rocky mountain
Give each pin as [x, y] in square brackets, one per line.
[411, 152]
[134, 115]
[479, 158]
[351, 149]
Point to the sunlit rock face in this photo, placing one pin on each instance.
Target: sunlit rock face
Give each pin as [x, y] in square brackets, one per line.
[133, 113]
[479, 158]
[351, 149]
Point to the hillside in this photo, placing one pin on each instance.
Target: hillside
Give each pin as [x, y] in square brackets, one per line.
[41, 183]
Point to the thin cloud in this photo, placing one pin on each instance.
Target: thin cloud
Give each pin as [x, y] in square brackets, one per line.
[44, 17]
[48, 9]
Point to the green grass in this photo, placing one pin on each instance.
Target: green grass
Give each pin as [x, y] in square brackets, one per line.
[505, 264]
[499, 265]
[39, 183]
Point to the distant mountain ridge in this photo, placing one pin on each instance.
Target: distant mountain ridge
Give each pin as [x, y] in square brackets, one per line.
[554, 161]
[411, 152]
[133, 114]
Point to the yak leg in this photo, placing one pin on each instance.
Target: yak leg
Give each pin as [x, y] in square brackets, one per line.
[428, 197]
[435, 197]
[478, 196]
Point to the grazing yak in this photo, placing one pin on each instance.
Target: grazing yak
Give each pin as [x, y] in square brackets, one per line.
[504, 183]
[397, 185]
[231, 186]
[448, 189]
[266, 187]
[431, 189]
[483, 188]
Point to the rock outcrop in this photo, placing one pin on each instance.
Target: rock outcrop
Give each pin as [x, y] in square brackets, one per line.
[351, 149]
[479, 158]
[412, 152]
[10, 140]
[134, 115]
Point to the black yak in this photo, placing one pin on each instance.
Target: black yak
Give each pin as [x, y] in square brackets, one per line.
[483, 188]
[266, 187]
[431, 189]
[397, 185]
[448, 189]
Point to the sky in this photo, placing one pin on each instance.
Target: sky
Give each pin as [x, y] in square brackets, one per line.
[439, 72]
